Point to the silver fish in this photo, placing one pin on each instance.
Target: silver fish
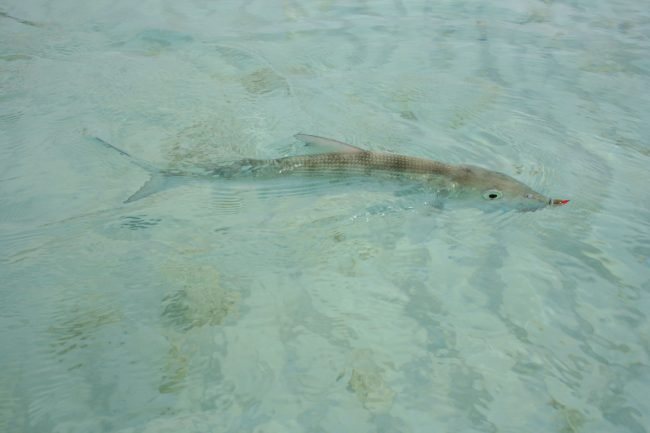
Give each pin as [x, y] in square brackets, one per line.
[473, 182]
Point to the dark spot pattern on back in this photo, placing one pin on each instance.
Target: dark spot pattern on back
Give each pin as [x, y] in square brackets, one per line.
[360, 162]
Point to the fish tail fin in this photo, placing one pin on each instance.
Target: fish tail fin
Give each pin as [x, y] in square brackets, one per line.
[158, 181]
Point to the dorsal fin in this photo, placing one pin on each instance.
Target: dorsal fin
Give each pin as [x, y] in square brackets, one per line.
[328, 144]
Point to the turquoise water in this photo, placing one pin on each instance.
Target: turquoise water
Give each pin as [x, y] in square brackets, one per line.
[316, 305]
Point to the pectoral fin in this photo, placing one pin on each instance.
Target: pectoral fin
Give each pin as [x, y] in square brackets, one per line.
[328, 144]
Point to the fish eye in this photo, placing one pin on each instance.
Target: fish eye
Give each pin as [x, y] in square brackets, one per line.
[492, 194]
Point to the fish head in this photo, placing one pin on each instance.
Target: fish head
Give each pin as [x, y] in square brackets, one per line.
[500, 191]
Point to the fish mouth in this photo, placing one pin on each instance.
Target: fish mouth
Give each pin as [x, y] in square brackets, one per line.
[540, 204]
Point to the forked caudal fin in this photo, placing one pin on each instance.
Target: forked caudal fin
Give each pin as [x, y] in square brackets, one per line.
[157, 180]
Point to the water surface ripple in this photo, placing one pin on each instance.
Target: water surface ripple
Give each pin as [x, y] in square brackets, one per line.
[318, 304]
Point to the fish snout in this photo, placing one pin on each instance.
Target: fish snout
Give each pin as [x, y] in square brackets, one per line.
[535, 201]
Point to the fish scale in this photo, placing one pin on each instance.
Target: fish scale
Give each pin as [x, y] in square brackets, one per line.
[366, 162]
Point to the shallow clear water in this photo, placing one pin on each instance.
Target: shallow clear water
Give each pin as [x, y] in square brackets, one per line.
[319, 305]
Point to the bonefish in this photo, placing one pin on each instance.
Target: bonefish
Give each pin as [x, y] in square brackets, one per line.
[345, 159]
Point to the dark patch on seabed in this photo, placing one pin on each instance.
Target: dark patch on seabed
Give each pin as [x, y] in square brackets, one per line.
[138, 222]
